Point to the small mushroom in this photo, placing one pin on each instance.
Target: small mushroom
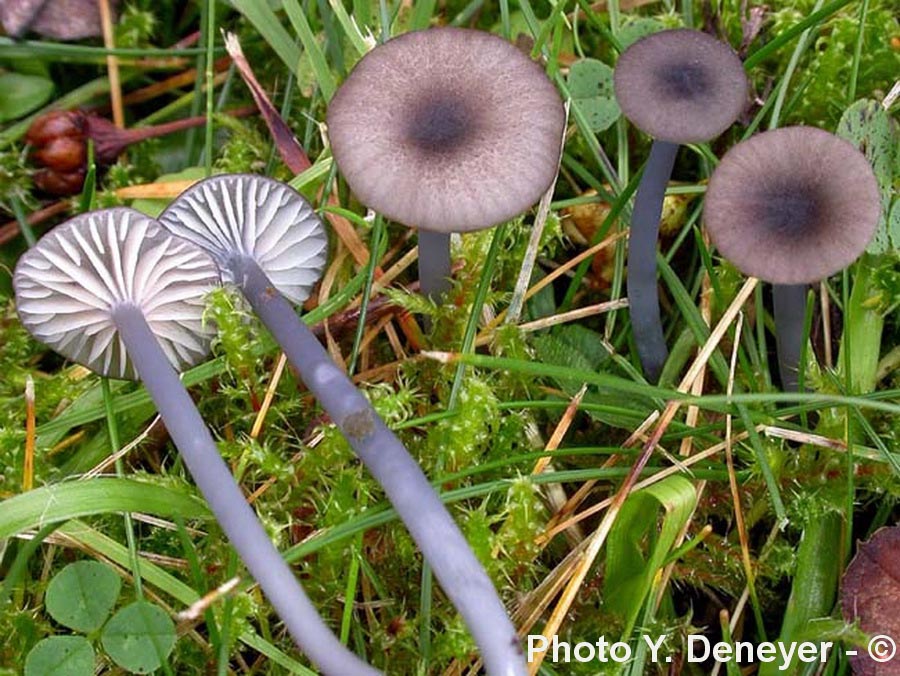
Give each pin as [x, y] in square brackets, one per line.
[115, 292]
[448, 130]
[59, 19]
[792, 206]
[269, 242]
[678, 86]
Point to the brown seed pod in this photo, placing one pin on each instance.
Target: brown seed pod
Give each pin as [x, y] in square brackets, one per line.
[59, 140]
[62, 154]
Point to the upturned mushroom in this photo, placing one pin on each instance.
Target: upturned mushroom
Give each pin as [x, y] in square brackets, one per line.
[792, 206]
[447, 130]
[269, 242]
[679, 86]
[114, 291]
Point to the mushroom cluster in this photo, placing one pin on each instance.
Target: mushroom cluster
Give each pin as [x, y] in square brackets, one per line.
[792, 206]
[447, 130]
[679, 86]
[115, 292]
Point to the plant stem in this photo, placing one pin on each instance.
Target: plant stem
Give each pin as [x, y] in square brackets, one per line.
[460, 574]
[112, 428]
[434, 264]
[213, 478]
[643, 295]
[790, 314]
[819, 564]
[863, 328]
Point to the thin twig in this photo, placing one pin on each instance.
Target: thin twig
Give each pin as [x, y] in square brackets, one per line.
[518, 298]
[558, 272]
[112, 64]
[28, 468]
[269, 396]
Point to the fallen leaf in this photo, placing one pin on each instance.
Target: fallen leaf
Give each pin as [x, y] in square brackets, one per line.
[871, 595]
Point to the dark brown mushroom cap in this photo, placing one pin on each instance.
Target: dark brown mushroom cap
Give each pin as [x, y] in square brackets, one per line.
[447, 129]
[792, 205]
[70, 284]
[681, 86]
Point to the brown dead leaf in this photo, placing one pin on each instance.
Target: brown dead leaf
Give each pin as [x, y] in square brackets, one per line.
[871, 594]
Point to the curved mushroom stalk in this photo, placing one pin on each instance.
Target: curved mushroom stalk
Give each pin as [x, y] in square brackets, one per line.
[679, 86]
[254, 226]
[792, 206]
[643, 291]
[115, 292]
[446, 130]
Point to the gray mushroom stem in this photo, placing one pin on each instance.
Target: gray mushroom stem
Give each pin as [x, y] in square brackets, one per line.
[434, 263]
[643, 295]
[789, 302]
[434, 531]
[237, 518]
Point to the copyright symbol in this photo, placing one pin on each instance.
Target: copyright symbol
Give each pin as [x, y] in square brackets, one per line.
[882, 648]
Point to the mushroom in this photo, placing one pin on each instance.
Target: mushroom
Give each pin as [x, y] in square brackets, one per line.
[115, 292]
[792, 206]
[447, 130]
[59, 19]
[268, 241]
[678, 86]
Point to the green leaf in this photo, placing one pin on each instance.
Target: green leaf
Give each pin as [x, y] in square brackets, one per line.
[591, 86]
[323, 75]
[139, 637]
[815, 584]
[868, 126]
[82, 594]
[22, 94]
[893, 226]
[61, 502]
[640, 27]
[631, 565]
[61, 656]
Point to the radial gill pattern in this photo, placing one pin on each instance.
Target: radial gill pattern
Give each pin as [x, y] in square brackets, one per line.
[243, 214]
[69, 286]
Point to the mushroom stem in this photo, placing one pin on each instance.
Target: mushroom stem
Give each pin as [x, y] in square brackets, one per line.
[643, 295]
[460, 574]
[434, 263]
[212, 476]
[789, 301]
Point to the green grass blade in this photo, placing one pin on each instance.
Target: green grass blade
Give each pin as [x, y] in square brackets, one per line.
[60, 502]
[264, 20]
[324, 77]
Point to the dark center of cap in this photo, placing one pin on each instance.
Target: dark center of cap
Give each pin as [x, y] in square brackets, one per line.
[683, 81]
[440, 123]
[790, 208]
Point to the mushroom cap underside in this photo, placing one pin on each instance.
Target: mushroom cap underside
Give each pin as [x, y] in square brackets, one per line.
[70, 284]
[447, 129]
[792, 205]
[681, 85]
[258, 217]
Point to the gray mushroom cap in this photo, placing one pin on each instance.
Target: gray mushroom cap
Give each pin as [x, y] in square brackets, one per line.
[255, 216]
[447, 129]
[70, 284]
[681, 85]
[792, 205]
